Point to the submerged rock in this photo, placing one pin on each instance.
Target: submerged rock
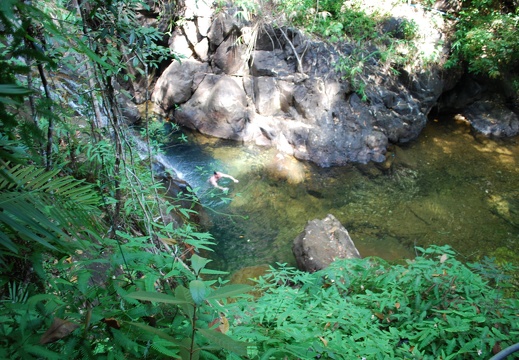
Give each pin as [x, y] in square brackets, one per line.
[321, 242]
[285, 168]
[247, 274]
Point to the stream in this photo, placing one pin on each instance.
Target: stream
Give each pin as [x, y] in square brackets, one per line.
[447, 187]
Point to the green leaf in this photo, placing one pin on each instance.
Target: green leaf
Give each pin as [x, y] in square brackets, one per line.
[229, 290]
[34, 208]
[225, 341]
[156, 297]
[462, 327]
[42, 352]
[33, 300]
[6, 242]
[154, 331]
[198, 291]
[12, 89]
[198, 263]
[188, 306]
[189, 350]
[213, 272]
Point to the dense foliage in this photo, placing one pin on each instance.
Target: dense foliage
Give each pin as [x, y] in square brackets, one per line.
[97, 263]
[486, 38]
[433, 307]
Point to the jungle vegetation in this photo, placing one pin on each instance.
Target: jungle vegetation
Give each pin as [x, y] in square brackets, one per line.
[98, 263]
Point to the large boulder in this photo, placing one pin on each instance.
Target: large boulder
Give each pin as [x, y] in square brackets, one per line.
[230, 58]
[321, 242]
[491, 117]
[486, 104]
[217, 108]
[176, 85]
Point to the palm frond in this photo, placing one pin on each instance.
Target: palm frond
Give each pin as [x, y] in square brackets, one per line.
[39, 207]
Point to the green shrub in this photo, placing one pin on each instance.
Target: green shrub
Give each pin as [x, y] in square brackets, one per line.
[486, 40]
[432, 307]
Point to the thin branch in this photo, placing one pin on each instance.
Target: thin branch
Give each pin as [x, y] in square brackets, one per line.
[299, 59]
[50, 129]
[98, 119]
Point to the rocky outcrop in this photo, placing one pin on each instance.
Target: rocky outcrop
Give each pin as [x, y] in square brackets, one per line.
[486, 104]
[279, 88]
[275, 87]
[321, 242]
[490, 117]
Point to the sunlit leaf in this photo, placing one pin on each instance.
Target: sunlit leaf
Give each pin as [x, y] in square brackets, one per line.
[213, 272]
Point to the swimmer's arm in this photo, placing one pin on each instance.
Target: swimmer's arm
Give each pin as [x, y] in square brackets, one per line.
[229, 177]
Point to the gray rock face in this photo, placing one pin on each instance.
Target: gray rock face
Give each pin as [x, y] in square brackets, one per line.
[491, 118]
[287, 91]
[177, 84]
[287, 94]
[130, 112]
[217, 108]
[483, 105]
[321, 242]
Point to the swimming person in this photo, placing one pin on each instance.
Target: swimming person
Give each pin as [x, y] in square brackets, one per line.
[217, 176]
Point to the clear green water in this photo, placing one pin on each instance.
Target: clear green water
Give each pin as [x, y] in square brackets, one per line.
[447, 187]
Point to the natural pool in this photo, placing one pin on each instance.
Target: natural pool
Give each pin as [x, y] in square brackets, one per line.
[447, 187]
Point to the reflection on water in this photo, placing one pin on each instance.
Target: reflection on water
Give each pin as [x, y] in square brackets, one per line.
[448, 187]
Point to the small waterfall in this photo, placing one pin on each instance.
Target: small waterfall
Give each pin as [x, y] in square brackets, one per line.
[161, 160]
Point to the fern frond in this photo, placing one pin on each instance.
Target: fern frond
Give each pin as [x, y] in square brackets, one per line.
[123, 341]
[165, 347]
[42, 352]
